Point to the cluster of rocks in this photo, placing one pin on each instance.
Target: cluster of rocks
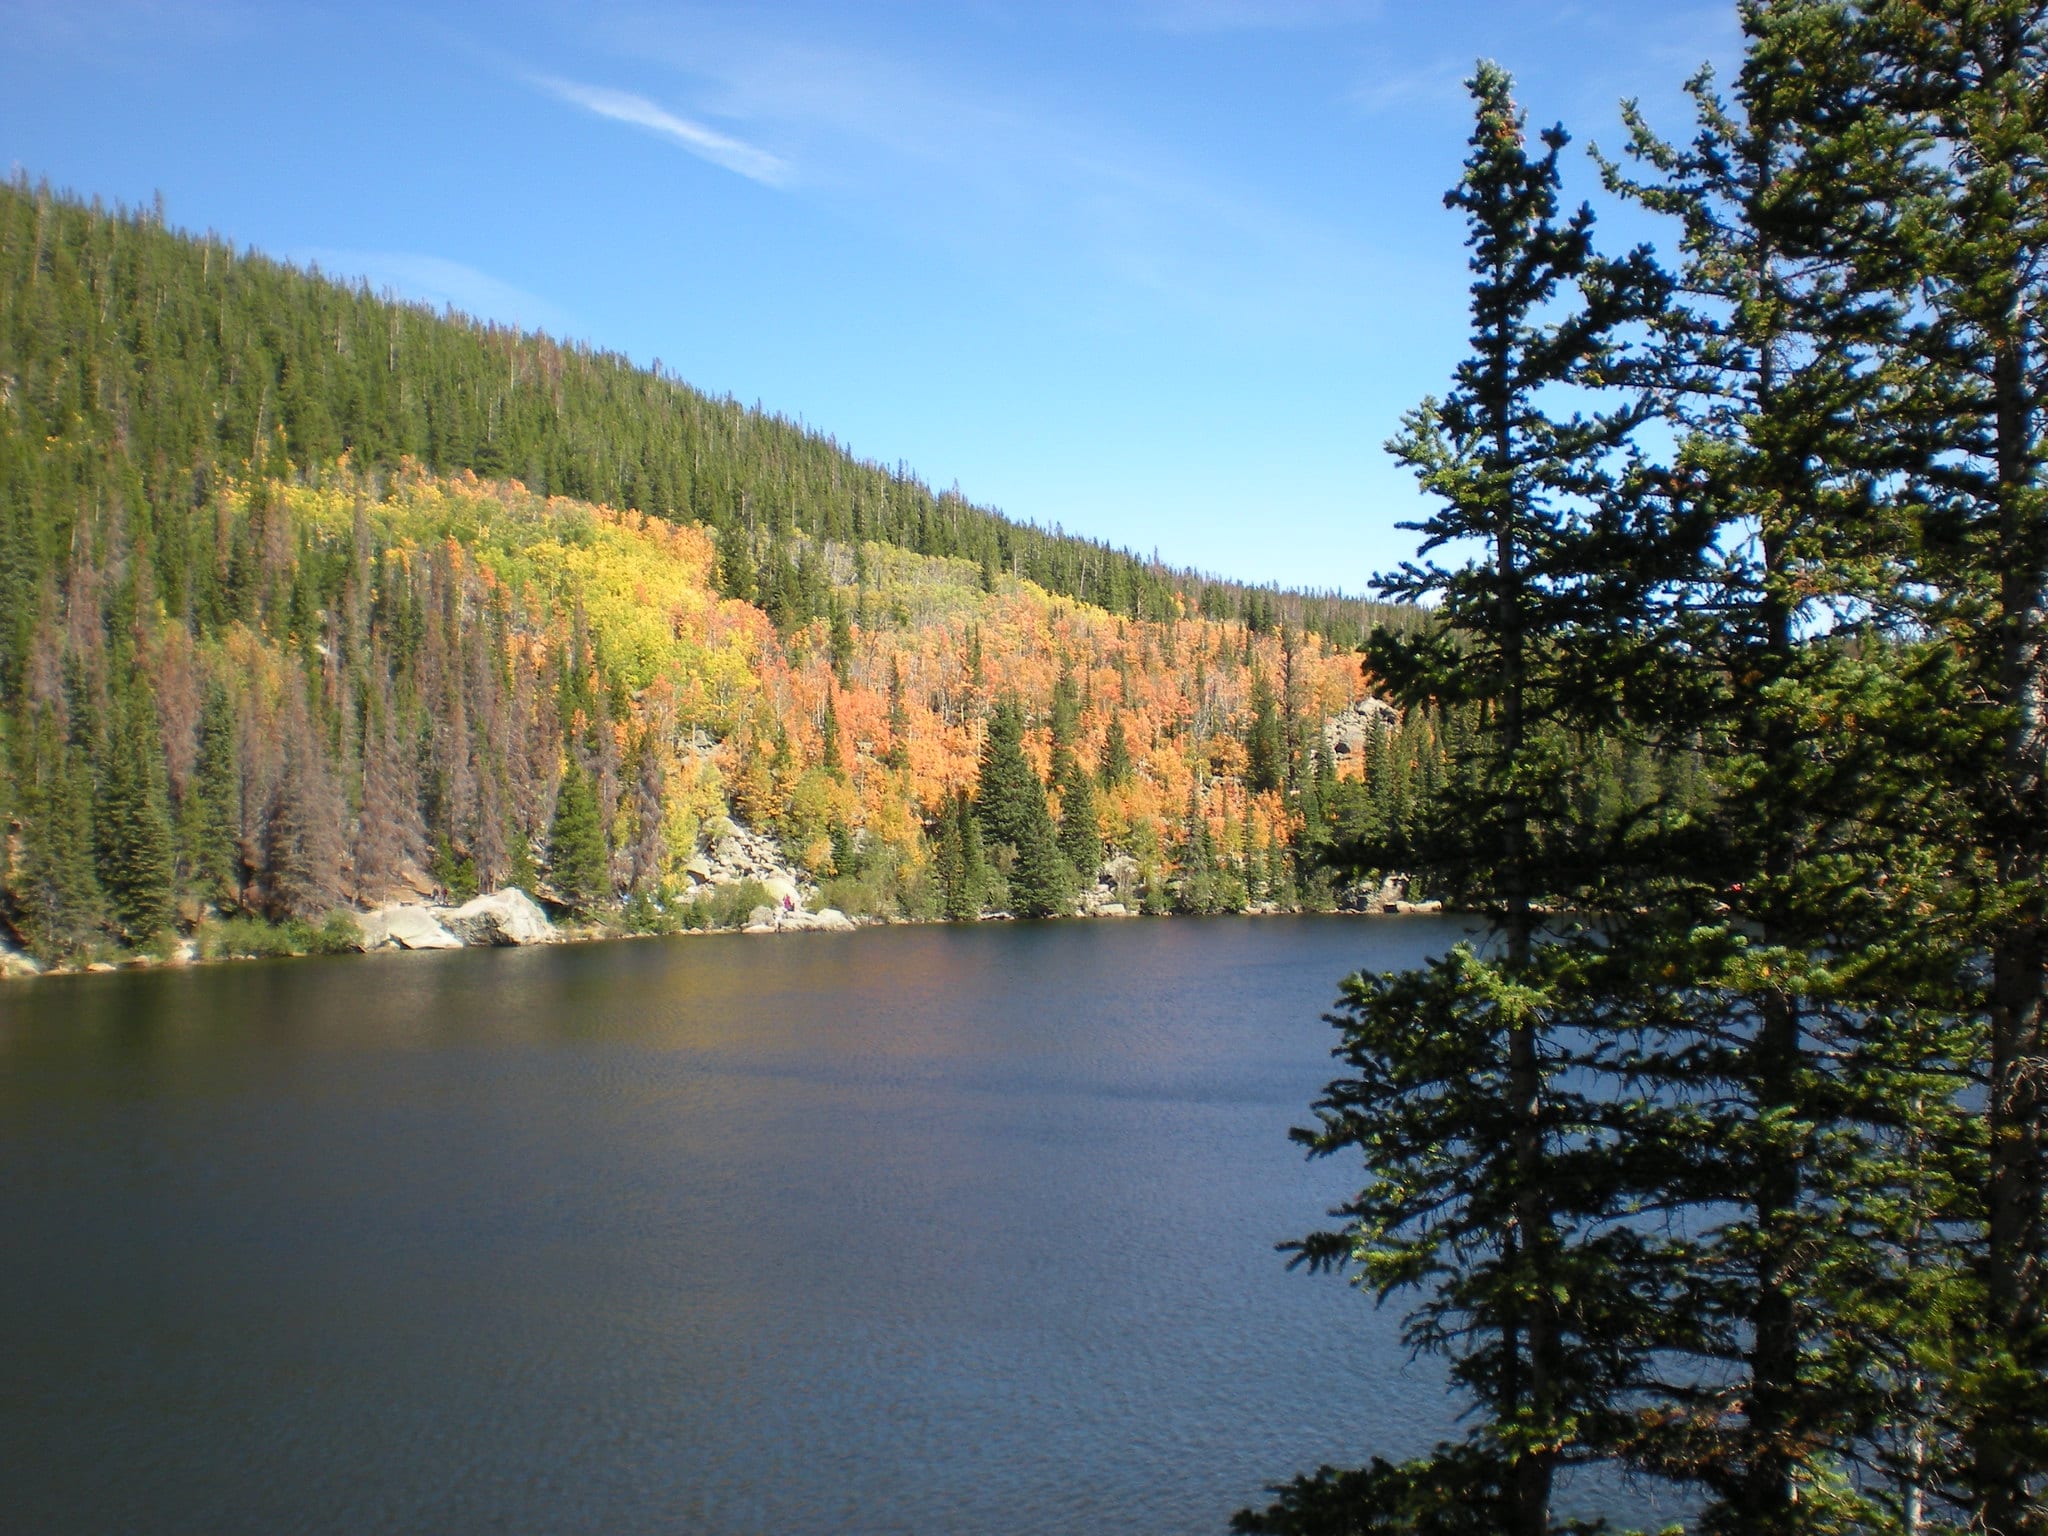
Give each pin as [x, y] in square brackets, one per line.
[1116, 891]
[504, 917]
[733, 854]
[765, 919]
[1351, 728]
[1390, 895]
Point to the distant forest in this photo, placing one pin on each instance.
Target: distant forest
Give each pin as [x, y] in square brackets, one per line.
[163, 362]
[312, 599]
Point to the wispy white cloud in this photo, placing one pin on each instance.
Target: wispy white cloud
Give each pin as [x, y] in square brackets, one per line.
[441, 282]
[986, 166]
[706, 143]
[1387, 87]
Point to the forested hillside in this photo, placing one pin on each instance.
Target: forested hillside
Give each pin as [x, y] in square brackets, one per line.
[161, 362]
[313, 599]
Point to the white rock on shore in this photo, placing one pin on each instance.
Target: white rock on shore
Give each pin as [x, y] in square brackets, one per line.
[780, 920]
[406, 926]
[504, 917]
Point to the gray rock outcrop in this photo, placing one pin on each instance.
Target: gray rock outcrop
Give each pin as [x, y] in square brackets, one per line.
[406, 926]
[733, 855]
[781, 920]
[504, 917]
[1348, 731]
[1115, 892]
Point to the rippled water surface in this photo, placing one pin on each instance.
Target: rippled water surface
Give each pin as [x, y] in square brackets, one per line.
[911, 1230]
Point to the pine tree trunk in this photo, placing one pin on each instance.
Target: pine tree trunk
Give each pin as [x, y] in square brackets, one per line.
[2019, 952]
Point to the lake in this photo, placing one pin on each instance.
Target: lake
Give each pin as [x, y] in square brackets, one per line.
[943, 1229]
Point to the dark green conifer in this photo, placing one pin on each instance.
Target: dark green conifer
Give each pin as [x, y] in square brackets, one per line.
[132, 821]
[578, 863]
[1265, 739]
[1080, 831]
[829, 752]
[209, 818]
[1459, 1105]
[53, 878]
[899, 719]
[1116, 756]
[1010, 802]
[1761, 559]
[841, 643]
[963, 863]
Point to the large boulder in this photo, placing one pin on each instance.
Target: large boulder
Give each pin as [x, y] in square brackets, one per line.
[829, 920]
[1350, 730]
[509, 916]
[406, 927]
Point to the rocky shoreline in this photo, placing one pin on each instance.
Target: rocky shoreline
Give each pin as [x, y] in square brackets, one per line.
[16, 966]
[734, 856]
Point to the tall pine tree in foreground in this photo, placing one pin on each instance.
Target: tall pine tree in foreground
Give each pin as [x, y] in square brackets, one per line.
[1498, 1177]
[1803, 1011]
[1786, 1248]
[1968, 262]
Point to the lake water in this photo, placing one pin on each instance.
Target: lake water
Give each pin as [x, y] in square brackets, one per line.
[961, 1230]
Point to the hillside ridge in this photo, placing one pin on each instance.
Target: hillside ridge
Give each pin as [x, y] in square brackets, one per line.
[264, 684]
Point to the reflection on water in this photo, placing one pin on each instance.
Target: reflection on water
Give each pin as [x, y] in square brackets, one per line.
[930, 1229]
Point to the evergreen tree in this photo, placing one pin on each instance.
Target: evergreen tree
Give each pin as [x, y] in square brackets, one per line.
[841, 643]
[1065, 721]
[579, 866]
[1965, 254]
[1197, 858]
[1080, 835]
[1265, 739]
[1492, 1170]
[133, 823]
[829, 752]
[899, 719]
[1041, 880]
[1116, 756]
[1008, 797]
[1010, 803]
[963, 864]
[1795, 916]
[54, 882]
[210, 812]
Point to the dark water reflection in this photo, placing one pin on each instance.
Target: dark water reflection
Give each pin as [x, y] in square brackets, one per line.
[933, 1230]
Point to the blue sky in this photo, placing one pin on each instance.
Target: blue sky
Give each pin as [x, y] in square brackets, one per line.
[1160, 271]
